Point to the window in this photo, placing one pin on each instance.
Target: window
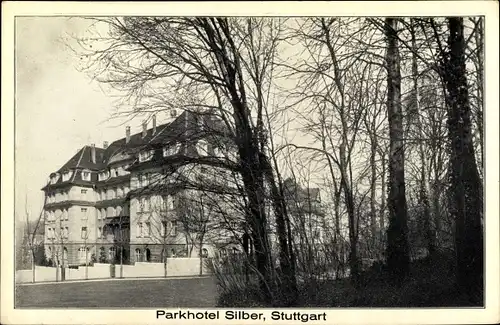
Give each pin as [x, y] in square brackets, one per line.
[148, 229]
[171, 150]
[173, 231]
[82, 254]
[113, 172]
[65, 255]
[119, 192]
[145, 155]
[202, 148]
[99, 232]
[144, 204]
[84, 214]
[168, 202]
[86, 175]
[139, 229]
[84, 232]
[138, 255]
[204, 253]
[111, 194]
[112, 253]
[217, 151]
[67, 175]
[163, 229]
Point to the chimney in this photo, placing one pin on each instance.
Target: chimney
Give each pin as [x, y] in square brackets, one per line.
[127, 134]
[154, 124]
[144, 128]
[105, 144]
[92, 153]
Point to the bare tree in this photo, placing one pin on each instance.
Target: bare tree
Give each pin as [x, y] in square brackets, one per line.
[397, 241]
[466, 188]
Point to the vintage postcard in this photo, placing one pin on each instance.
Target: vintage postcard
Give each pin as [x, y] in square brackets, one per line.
[241, 163]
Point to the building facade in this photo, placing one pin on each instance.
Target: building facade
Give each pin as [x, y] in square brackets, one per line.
[134, 200]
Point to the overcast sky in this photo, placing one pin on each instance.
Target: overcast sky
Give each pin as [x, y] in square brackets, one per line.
[58, 109]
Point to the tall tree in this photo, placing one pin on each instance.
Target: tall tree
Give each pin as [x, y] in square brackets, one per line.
[398, 260]
[466, 199]
[222, 64]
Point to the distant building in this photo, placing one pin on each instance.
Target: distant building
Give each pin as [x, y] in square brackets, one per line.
[125, 195]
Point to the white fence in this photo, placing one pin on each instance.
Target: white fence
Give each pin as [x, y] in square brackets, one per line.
[175, 267]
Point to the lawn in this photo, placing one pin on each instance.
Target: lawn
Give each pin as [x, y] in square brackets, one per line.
[197, 292]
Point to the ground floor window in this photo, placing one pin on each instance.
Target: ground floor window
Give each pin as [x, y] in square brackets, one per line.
[83, 254]
[138, 255]
[147, 255]
[112, 253]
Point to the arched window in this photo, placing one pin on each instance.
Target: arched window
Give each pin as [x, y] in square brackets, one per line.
[65, 255]
[102, 255]
[147, 253]
[118, 210]
[204, 252]
[138, 255]
[172, 252]
[82, 254]
[112, 253]
[222, 252]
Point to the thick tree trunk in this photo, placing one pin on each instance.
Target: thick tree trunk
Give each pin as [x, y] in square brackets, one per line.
[466, 204]
[398, 260]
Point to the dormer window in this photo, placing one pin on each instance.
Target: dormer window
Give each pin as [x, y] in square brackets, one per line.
[145, 155]
[171, 150]
[217, 152]
[113, 172]
[86, 175]
[67, 175]
[202, 148]
[54, 178]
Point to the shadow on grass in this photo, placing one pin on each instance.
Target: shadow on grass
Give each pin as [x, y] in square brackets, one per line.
[430, 284]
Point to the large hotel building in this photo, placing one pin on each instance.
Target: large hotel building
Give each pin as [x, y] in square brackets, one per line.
[125, 195]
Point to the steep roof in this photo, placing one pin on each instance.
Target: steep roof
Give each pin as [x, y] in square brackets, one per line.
[83, 159]
[186, 125]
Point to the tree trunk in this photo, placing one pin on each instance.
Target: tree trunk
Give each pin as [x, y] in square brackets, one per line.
[382, 200]
[398, 260]
[466, 204]
[289, 284]
[423, 191]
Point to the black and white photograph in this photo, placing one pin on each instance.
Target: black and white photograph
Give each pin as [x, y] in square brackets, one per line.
[228, 162]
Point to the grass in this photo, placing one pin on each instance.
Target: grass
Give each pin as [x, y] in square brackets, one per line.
[161, 293]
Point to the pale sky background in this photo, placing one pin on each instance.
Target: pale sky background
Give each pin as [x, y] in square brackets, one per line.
[58, 109]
